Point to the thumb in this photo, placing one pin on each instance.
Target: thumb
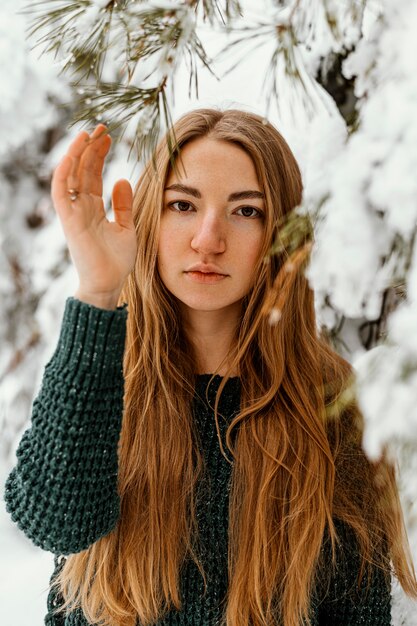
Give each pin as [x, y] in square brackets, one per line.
[122, 200]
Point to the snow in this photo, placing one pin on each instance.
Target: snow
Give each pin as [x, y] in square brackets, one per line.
[25, 576]
[360, 187]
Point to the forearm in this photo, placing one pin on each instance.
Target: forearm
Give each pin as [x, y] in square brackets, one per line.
[63, 490]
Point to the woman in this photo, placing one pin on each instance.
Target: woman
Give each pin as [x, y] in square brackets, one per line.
[235, 488]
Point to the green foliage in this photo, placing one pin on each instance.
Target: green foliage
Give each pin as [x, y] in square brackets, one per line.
[124, 37]
[122, 55]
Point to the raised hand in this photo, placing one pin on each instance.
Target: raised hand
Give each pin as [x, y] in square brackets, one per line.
[103, 252]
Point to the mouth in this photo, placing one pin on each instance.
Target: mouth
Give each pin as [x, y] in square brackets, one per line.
[205, 277]
[206, 268]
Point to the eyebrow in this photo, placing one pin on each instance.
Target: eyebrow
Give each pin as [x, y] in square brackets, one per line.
[237, 195]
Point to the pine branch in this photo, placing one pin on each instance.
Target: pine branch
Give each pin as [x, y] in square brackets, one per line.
[293, 231]
[116, 105]
[294, 25]
[213, 12]
[64, 30]
[148, 42]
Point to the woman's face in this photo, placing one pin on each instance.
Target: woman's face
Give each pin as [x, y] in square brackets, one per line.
[212, 226]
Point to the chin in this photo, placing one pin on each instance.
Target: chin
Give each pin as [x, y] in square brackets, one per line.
[206, 305]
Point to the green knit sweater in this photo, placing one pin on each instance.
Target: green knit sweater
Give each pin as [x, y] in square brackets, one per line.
[63, 494]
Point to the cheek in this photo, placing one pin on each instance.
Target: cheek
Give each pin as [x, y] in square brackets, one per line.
[165, 237]
[252, 250]
[250, 259]
[169, 246]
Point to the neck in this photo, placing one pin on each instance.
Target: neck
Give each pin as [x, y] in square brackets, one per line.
[211, 334]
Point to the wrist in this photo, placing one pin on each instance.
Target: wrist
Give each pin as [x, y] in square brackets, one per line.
[108, 301]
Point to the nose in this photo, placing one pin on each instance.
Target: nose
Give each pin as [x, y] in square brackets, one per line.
[209, 236]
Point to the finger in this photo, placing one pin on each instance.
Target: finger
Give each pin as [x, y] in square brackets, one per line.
[91, 165]
[59, 187]
[75, 150]
[65, 175]
[97, 148]
[99, 131]
[122, 200]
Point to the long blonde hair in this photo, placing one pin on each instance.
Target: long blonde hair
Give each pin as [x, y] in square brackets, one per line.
[297, 466]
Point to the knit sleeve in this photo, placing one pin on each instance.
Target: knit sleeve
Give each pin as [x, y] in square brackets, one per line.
[343, 602]
[62, 493]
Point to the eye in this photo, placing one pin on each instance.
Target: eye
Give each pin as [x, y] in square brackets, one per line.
[183, 206]
[250, 211]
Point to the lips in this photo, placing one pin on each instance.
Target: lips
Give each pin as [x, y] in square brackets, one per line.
[206, 269]
[205, 273]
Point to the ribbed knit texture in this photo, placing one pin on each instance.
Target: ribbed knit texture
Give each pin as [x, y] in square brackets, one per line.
[63, 491]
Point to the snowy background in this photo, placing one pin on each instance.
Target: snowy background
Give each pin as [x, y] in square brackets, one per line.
[363, 187]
